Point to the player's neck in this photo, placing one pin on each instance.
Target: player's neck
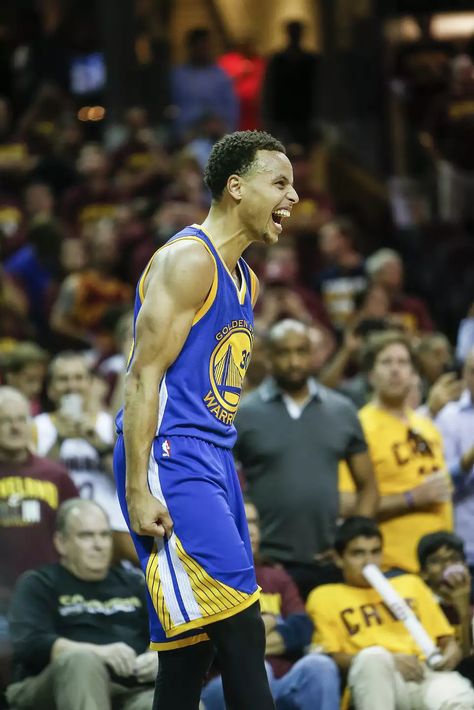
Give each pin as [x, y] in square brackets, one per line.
[396, 408]
[227, 235]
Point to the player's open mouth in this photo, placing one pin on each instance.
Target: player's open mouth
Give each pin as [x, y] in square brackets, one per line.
[278, 216]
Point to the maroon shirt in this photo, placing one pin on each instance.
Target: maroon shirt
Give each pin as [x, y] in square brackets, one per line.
[30, 494]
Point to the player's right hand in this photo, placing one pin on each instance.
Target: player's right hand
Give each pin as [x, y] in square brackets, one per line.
[148, 516]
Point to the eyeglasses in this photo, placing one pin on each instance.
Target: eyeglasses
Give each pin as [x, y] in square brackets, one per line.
[419, 443]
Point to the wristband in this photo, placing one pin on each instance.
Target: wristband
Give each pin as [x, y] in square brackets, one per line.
[409, 499]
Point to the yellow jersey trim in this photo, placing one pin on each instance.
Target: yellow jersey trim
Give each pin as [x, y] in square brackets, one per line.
[182, 643]
[204, 621]
[141, 283]
[243, 284]
[253, 286]
[215, 600]
[211, 296]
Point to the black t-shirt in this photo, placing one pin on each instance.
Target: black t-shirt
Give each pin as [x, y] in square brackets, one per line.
[51, 603]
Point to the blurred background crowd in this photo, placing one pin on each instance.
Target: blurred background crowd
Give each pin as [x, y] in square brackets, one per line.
[108, 113]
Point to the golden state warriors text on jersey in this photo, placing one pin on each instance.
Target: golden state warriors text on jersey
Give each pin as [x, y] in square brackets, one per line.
[200, 392]
[227, 367]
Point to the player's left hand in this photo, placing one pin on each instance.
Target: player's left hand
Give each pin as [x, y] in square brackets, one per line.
[146, 667]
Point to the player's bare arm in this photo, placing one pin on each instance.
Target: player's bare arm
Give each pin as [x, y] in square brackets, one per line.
[176, 287]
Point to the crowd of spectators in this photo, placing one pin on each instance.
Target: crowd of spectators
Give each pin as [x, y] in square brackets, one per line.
[340, 327]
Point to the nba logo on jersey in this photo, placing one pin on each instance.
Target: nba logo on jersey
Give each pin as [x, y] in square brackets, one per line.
[166, 449]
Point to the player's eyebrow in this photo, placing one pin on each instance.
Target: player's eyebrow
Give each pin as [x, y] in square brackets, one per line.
[282, 177]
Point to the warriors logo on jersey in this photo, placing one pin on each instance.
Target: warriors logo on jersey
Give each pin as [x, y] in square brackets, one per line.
[227, 367]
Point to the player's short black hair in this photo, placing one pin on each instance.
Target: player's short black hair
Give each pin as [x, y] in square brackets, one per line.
[234, 154]
[355, 526]
[430, 543]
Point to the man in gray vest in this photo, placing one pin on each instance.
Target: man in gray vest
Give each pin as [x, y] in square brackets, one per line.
[292, 434]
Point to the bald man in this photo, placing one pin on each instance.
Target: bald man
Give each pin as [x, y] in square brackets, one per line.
[79, 628]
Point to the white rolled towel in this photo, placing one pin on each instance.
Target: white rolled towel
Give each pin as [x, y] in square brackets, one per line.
[402, 611]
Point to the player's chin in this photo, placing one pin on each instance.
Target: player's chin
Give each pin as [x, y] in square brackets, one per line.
[270, 236]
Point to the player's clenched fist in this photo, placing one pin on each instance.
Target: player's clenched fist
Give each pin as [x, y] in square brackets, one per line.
[147, 515]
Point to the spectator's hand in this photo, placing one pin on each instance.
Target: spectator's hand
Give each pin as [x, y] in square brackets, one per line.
[409, 667]
[456, 585]
[293, 306]
[148, 516]
[146, 667]
[352, 342]
[436, 488]
[326, 557]
[68, 427]
[88, 432]
[119, 657]
[270, 308]
[451, 657]
[447, 388]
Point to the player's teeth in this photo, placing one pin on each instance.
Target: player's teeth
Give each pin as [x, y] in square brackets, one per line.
[283, 213]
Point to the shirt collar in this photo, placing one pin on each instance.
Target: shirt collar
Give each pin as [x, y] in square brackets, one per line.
[270, 391]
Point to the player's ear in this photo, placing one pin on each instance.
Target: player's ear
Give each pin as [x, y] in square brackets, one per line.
[234, 187]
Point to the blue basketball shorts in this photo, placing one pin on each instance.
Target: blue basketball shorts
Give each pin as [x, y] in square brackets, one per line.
[204, 572]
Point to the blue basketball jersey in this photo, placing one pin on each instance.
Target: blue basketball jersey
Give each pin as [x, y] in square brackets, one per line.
[200, 392]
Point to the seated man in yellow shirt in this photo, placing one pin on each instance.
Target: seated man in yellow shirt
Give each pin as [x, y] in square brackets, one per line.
[385, 667]
[407, 455]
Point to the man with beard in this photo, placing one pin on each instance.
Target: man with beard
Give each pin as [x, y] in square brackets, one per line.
[406, 452]
[292, 433]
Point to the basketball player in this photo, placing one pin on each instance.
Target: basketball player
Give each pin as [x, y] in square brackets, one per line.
[173, 462]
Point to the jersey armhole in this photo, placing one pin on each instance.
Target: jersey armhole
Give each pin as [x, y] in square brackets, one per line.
[253, 287]
[213, 289]
[211, 296]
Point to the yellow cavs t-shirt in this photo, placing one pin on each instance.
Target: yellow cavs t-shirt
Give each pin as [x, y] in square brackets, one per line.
[402, 454]
[348, 619]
